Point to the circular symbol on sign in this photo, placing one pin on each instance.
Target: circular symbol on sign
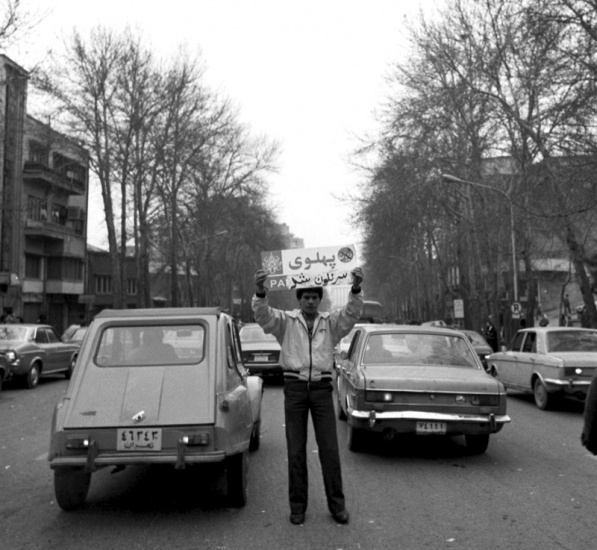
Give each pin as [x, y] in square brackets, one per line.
[345, 255]
[516, 307]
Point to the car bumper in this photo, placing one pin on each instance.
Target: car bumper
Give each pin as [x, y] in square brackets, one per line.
[578, 388]
[406, 421]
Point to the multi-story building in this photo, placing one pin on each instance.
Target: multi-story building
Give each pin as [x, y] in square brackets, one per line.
[43, 213]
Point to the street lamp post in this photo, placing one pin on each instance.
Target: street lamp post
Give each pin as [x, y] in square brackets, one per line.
[454, 179]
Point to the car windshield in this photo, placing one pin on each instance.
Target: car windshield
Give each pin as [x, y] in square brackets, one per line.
[255, 334]
[150, 345]
[418, 349]
[13, 332]
[78, 335]
[572, 340]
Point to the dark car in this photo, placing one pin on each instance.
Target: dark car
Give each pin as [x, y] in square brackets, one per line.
[482, 348]
[261, 352]
[32, 351]
[421, 380]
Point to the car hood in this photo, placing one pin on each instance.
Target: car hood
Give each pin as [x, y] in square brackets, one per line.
[433, 379]
[10, 344]
[109, 397]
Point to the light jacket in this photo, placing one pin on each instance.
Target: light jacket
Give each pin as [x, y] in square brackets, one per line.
[302, 357]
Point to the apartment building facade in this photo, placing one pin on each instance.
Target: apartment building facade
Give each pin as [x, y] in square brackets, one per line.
[43, 231]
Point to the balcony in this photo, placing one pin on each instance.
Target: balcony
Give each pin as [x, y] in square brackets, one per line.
[41, 174]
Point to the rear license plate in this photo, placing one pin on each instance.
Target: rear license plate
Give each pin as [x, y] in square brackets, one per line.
[262, 358]
[430, 427]
[145, 439]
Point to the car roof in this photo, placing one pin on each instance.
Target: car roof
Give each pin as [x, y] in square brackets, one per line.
[557, 329]
[26, 325]
[427, 329]
[158, 312]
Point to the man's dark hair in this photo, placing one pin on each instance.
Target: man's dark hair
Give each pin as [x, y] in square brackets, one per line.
[317, 289]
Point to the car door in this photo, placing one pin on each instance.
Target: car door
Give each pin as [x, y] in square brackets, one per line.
[526, 360]
[43, 345]
[58, 353]
[508, 360]
[345, 367]
[237, 395]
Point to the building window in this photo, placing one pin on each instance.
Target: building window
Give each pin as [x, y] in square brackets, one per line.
[65, 269]
[131, 286]
[69, 168]
[32, 266]
[38, 153]
[103, 284]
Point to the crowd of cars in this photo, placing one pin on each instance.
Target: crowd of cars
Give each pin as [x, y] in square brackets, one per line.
[184, 386]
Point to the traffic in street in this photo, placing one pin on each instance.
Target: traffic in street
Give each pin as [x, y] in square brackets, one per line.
[533, 488]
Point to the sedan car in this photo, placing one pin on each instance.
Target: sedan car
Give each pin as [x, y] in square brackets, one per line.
[550, 362]
[33, 350]
[482, 348]
[156, 386]
[420, 380]
[261, 352]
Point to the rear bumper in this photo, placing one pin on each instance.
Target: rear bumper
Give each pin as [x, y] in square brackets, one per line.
[114, 459]
[570, 386]
[406, 421]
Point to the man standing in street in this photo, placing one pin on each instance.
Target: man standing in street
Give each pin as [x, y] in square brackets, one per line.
[307, 339]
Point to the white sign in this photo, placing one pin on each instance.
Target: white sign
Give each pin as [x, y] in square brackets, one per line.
[309, 267]
[458, 309]
[516, 310]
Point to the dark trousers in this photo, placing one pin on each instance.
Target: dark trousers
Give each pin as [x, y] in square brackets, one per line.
[300, 398]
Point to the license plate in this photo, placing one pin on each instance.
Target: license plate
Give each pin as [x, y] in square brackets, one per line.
[430, 427]
[261, 358]
[144, 439]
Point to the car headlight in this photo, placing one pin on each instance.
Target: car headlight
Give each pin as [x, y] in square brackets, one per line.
[11, 356]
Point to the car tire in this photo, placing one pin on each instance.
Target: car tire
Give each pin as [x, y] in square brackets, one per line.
[255, 440]
[355, 439]
[341, 414]
[543, 399]
[476, 444]
[71, 486]
[236, 479]
[69, 372]
[32, 377]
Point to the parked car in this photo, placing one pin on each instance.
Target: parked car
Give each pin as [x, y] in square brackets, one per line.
[421, 380]
[482, 348]
[34, 350]
[550, 362]
[76, 336]
[261, 351]
[4, 371]
[156, 386]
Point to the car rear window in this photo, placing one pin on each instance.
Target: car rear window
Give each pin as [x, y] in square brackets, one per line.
[255, 334]
[150, 345]
[418, 349]
[569, 340]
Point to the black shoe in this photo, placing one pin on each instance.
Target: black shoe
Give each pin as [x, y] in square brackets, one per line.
[341, 517]
[297, 519]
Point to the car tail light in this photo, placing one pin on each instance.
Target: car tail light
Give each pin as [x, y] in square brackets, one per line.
[485, 400]
[201, 438]
[379, 397]
[77, 442]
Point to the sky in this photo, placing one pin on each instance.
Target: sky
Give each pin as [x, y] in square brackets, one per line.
[309, 74]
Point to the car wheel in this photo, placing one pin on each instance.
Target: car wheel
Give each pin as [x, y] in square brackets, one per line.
[476, 444]
[543, 399]
[32, 377]
[69, 372]
[341, 413]
[355, 439]
[255, 440]
[236, 479]
[70, 487]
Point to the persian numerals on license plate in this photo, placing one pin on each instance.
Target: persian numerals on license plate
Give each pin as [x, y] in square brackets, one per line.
[425, 427]
[261, 358]
[144, 439]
